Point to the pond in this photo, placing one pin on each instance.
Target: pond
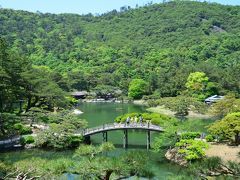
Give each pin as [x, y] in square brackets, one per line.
[99, 113]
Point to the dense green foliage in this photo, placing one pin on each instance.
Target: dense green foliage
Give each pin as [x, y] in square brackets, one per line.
[190, 135]
[94, 165]
[137, 88]
[22, 130]
[225, 106]
[228, 127]
[24, 86]
[7, 122]
[87, 162]
[209, 138]
[198, 85]
[154, 118]
[152, 43]
[208, 166]
[180, 105]
[165, 141]
[27, 140]
[60, 134]
[191, 149]
[189, 53]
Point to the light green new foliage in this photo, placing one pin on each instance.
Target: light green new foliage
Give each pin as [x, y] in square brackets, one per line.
[197, 81]
[192, 149]
[197, 84]
[137, 88]
[228, 127]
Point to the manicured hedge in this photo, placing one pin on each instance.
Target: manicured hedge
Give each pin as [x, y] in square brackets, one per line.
[190, 135]
[154, 118]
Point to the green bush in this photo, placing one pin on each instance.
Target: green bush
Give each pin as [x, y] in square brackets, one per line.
[3, 169]
[152, 103]
[27, 140]
[122, 118]
[23, 130]
[75, 140]
[154, 118]
[156, 121]
[192, 149]
[26, 130]
[209, 138]
[190, 135]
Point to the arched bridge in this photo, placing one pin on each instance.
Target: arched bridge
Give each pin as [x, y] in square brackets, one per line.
[148, 127]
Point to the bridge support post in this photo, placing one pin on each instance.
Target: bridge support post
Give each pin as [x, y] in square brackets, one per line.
[87, 140]
[105, 136]
[125, 139]
[148, 139]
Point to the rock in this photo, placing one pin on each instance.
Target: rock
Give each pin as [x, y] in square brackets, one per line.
[76, 111]
[174, 156]
[29, 146]
[214, 173]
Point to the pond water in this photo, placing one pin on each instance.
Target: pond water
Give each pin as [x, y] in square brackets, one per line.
[99, 113]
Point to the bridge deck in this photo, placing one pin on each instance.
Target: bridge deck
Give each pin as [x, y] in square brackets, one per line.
[118, 126]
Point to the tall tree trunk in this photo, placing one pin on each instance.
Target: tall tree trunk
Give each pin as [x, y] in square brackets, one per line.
[108, 174]
[1, 103]
[29, 103]
[237, 139]
[1, 124]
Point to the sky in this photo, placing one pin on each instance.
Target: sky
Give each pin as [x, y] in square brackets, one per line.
[82, 6]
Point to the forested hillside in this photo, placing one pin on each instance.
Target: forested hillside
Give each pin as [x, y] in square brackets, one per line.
[160, 43]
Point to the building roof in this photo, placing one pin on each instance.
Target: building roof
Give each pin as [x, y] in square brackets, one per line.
[214, 98]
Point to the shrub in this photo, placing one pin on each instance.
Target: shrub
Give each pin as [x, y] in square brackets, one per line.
[27, 140]
[26, 130]
[156, 121]
[152, 103]
[3, 169]
[75, 140]
[190, 135]
[155, 118]
[209, 138]
[23, 130]
[191, 149]
[122, 118]
[212, 163]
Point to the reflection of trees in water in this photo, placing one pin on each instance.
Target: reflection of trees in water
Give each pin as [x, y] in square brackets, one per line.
[119, 109]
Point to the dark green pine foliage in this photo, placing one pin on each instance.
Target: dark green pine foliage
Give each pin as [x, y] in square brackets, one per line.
[160, 43]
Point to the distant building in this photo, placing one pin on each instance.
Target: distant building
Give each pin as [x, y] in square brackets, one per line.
[213, 99]
[79, 94]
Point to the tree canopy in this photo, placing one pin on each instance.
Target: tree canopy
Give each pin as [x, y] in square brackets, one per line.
[228, 127]
[153, 43]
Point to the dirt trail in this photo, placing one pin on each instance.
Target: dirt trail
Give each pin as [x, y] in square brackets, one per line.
[225, 152]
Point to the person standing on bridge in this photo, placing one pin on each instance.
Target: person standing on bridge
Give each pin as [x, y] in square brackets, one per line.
[135, 121]
[128, 120]
[141, 120]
